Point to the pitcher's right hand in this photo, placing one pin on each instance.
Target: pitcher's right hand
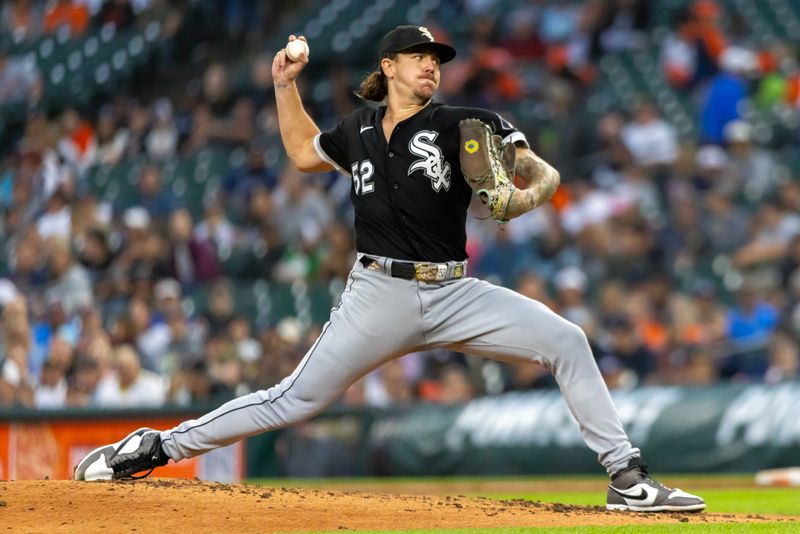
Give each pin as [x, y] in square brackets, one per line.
[284, 71]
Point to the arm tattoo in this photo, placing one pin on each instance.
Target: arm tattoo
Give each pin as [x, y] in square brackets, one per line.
[543, 181]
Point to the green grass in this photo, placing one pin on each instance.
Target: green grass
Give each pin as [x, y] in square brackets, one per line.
[733, 501]
[723, 493]
[763, 528]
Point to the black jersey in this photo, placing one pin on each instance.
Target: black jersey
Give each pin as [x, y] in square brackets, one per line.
[409, 194]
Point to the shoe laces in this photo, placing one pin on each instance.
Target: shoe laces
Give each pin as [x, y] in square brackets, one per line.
[635, 473]
[146, 456]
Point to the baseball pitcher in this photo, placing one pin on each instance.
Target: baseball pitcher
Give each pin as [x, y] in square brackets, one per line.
[414, 165]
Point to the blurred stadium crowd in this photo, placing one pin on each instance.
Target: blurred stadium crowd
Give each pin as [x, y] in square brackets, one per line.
[150, 223]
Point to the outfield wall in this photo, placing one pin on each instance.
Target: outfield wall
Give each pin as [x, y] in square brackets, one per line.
[727, 428]
[730, 428]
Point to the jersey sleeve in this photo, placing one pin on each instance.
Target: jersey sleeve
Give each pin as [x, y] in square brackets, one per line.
[500, 126]
[331, 146]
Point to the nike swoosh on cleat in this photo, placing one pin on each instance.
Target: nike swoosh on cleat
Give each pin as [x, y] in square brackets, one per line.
[365, 128]
[642, 494]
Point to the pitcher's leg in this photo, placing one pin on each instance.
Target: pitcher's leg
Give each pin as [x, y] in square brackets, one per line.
[352, 343]
[501, 324]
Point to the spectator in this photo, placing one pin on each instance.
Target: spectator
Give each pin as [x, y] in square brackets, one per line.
[388, 386]
[773, 229]
[151, 337]
[216, 229]
[112, 140]
[301, 212]
[70, 283]
[637, 190]
[221, 308]
[633, 254]
[339, 254]
[533, 286]
[455, 385]
[784, 359]
[161, 143]
[712, 170]
[22, 19]
[20, 80]
[247, 348]
[726, 90]
[71, 15]
[261, 92]
[649, 138]
[242, 181]
[682, 242]
[95, 254]
[117, 13]
[190, 260]
[724, 223]
[15, 387]
[53, 339]
[679, 56]
[610, 148]
[622, 25]
[751, 322]
[56, 221]
[153, 196]
[195, 385]
[141, 250]
[571, 284]
[700, 369]
[186, 337]
[28, 272]
[236, 129]
[638, 203]
[216, 91]
[78, 144]
[503, 260]
[129, 385]
[82, 386]
[266, 250]
[522, 40]
[224, 364]
[168, 294]
[138, 122]
[52, 389]
[751, 168]
[623, 350]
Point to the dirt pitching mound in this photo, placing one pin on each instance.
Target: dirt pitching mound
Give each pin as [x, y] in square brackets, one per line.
[167, 505]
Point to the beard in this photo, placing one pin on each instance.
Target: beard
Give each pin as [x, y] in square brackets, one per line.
[424, 93]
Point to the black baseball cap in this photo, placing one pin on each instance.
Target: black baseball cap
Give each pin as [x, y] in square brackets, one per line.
[404, 38]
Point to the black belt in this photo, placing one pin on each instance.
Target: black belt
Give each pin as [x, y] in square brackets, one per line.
[426, 272]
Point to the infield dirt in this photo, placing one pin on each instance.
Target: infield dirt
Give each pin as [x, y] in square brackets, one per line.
[168, 505]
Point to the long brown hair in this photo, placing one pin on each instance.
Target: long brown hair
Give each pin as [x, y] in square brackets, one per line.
[375, 85]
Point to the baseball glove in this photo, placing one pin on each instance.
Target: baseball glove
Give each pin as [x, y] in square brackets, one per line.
[488, 166]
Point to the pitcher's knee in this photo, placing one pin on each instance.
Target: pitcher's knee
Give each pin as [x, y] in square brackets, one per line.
[573, 338]
[572, 342]
[294, 407]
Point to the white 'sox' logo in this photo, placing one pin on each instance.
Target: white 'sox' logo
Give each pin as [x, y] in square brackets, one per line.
[432, 163]
[426, 32]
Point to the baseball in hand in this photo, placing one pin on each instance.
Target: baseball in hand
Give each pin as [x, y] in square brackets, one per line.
[295, 48]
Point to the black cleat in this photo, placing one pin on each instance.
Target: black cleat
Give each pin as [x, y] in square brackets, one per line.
[139, 451]
[632, 490]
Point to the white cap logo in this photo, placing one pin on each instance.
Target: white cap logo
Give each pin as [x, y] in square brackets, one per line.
[424, 31]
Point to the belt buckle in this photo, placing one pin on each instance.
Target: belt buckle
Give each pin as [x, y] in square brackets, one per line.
[430, 272]
[373, 266]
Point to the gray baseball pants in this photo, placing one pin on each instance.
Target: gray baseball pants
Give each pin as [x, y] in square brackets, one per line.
[380, 318]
